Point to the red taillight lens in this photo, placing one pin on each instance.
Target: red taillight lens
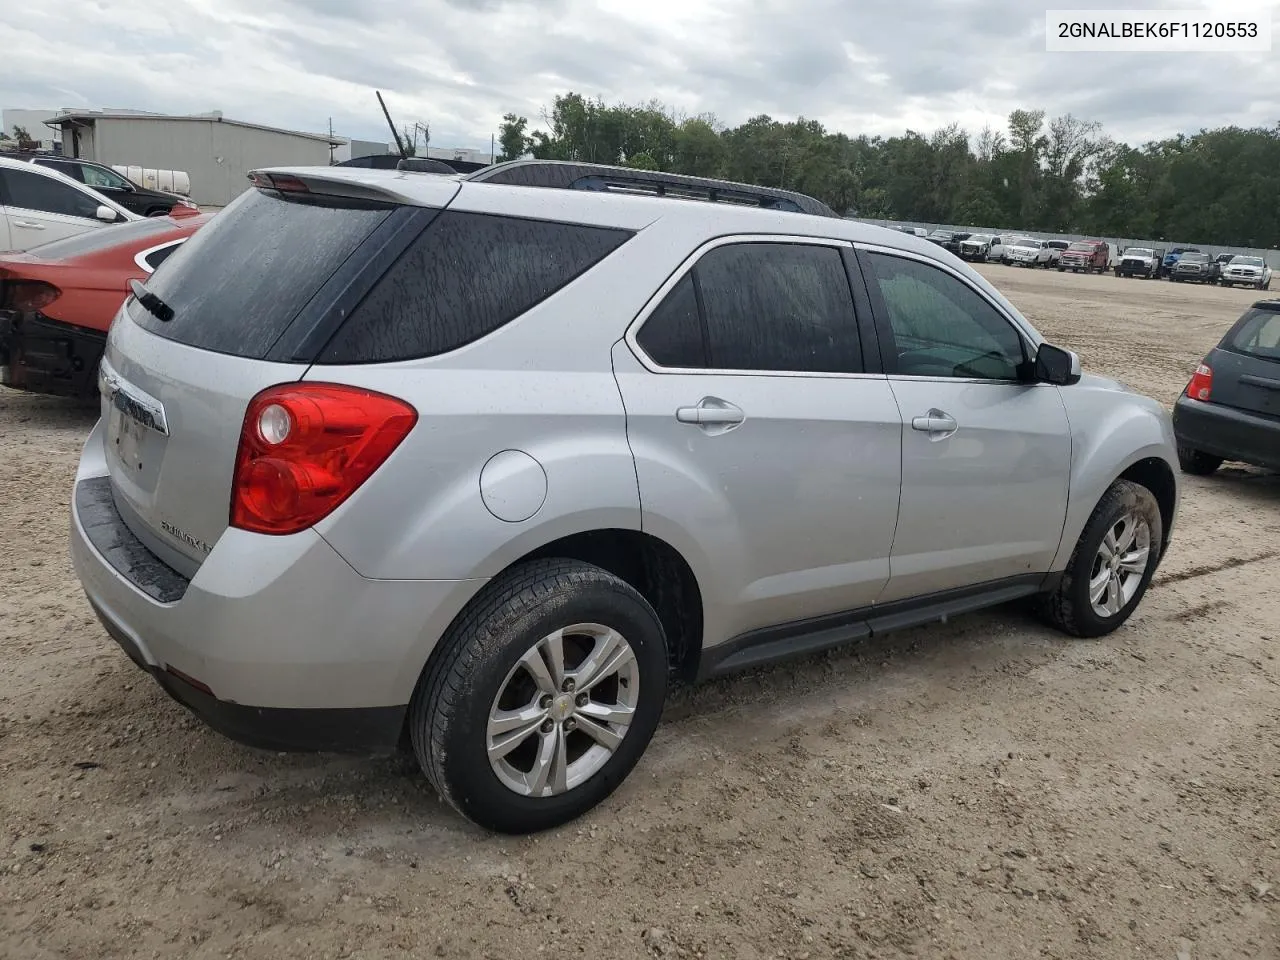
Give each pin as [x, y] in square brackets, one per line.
[1201, 384]
[28, 295]
[306, 447]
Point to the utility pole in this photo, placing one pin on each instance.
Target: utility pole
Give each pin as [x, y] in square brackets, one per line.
[331, 141]
[492, 142]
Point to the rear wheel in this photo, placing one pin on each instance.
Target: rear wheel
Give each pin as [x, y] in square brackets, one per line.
[544, 694]
[1111, 565]
[1197, 463]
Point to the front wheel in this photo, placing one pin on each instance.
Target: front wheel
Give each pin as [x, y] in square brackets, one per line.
[543, 696]
[1112, 563]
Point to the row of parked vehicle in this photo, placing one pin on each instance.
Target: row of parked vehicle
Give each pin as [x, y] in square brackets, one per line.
[76, 233]
[1191, 265]
[1179, 264]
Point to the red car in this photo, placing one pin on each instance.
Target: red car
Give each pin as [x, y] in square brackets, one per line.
[57, 300]
[1086, 255]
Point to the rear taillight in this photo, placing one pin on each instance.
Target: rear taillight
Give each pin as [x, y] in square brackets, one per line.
[29, 295]
[306, 447]
[1201, 384]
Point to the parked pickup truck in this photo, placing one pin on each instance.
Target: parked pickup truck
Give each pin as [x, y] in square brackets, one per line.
[1171, 259]
[1050, 253]
[1086, 256]
[948, 239]
[1248, 272]
[1022, 251]
[1195, 267]
[982, 247]
[1138, 262]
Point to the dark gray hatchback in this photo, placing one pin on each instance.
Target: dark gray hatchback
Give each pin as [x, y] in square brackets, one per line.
[1230, 410]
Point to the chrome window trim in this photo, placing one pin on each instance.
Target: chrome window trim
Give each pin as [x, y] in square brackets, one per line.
[682, 271]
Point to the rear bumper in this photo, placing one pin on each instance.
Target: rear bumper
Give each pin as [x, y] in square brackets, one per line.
[275, 641]
[1227, 433]
[48, 356]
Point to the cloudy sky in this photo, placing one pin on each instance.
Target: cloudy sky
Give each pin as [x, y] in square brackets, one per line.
[870, 66]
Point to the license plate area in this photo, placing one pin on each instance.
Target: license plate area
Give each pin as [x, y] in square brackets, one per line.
[127, 437]
[136, 426]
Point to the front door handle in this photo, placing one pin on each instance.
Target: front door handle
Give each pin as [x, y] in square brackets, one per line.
[937, 423]
[29, 224]
[718, 415]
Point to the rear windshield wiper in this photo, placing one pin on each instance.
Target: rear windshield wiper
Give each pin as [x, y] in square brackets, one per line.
[150, 302]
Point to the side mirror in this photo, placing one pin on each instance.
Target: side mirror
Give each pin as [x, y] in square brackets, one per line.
[1057, 366]
[105, 214]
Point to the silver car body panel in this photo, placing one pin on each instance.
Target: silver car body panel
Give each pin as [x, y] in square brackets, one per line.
[821, 499]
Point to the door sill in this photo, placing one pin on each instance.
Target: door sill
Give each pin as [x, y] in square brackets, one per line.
[801, 637]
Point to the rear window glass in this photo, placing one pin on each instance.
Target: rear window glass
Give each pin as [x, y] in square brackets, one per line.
[1258, 335]
[104, 238]
[467, 275]
[246, 274]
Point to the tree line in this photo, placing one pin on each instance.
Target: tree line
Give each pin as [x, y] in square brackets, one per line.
[1059, 174]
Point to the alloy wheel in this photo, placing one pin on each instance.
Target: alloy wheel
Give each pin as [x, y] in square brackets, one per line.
[1119, 565]
[563, 710]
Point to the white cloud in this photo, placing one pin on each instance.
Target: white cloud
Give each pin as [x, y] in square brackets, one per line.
[876, 66]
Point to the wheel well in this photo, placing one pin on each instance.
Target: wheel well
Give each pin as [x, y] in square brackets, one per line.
[1157, 476]
[657, 570]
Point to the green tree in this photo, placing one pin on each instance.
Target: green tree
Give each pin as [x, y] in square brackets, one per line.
[512, 138]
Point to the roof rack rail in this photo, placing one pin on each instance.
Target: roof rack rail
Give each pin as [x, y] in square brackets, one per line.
[424, 165]
[571, 175]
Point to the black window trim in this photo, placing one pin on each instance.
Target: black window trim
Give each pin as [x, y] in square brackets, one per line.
[862, 312]
[1031, 339]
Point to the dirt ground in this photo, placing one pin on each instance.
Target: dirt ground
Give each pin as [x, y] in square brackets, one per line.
[983, 789]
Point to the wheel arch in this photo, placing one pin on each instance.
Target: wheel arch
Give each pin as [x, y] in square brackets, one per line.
[657, 570]
[1116, 436]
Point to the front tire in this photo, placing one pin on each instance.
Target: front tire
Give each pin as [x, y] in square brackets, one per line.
[1197, 463]
[1112, 563]
[543, 696]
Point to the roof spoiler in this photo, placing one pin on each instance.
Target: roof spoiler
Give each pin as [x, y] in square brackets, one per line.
[571, 175]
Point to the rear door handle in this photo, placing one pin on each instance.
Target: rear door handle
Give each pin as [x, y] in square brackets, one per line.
[29, 224]
[937, 423]
[720, 415]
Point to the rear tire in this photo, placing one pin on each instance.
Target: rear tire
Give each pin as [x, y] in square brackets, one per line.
[1111, 566]
[595, 730]
[1197, 463]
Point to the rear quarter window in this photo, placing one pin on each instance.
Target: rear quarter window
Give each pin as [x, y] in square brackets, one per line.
[1258, 335]
[246, 274]
[465, 276]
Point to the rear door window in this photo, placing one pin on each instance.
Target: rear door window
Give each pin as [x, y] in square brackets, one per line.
[33, 191]
[465, 276]
[783, 307]
[778, 306]
[250, 270]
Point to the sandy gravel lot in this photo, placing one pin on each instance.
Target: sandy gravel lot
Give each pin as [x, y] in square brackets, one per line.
[984, 789]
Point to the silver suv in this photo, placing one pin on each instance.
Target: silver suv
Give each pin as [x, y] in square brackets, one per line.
[391, 458]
